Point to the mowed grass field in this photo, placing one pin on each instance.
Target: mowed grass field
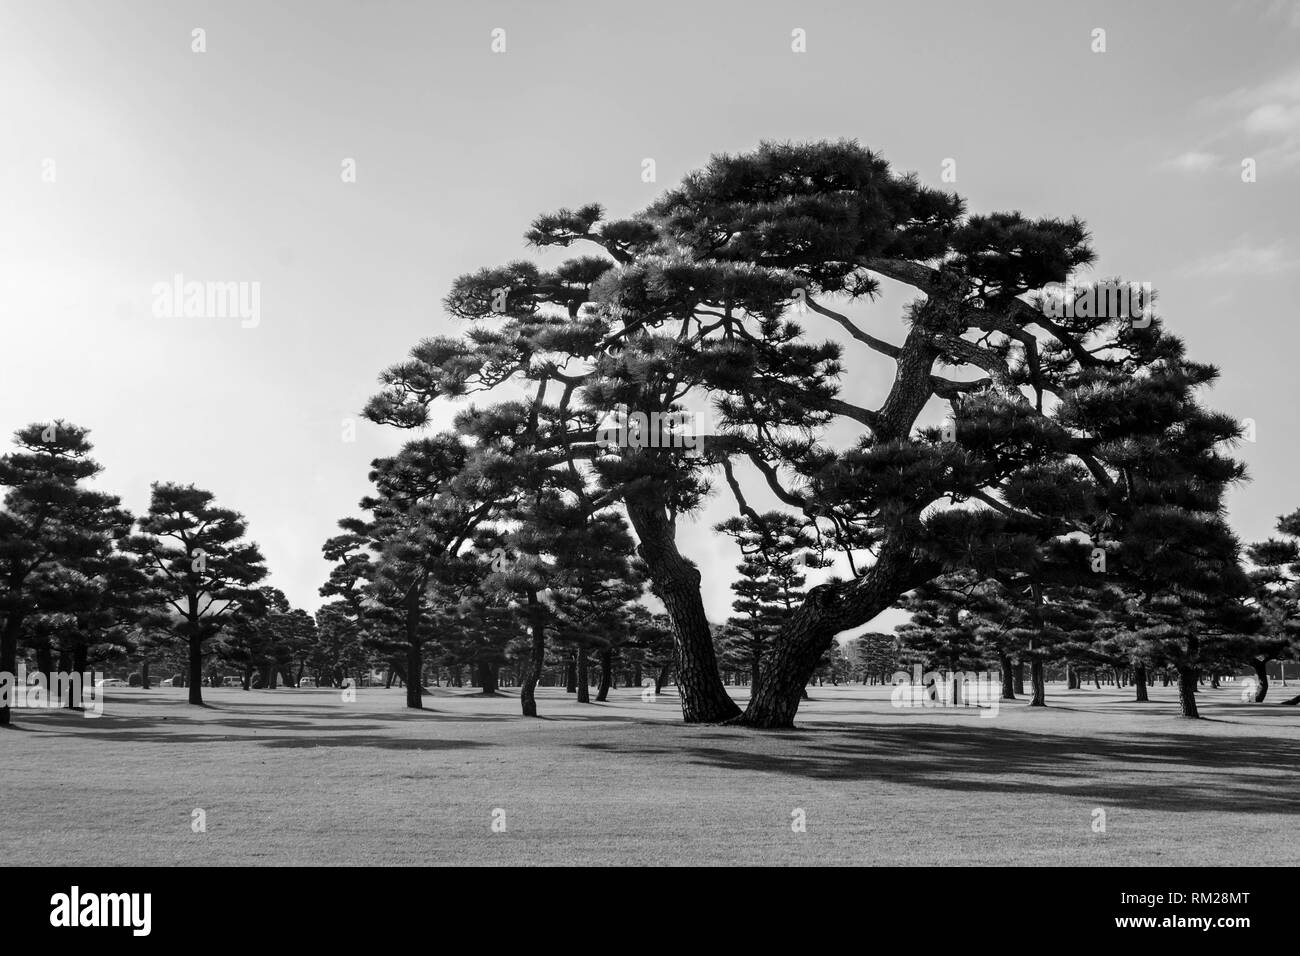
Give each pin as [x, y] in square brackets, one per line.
[301, 777]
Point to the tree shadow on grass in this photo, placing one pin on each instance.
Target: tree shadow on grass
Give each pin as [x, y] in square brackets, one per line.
[382, 743]
[1169, 772]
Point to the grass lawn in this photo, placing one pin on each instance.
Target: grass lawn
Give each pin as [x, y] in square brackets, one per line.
[300, 777]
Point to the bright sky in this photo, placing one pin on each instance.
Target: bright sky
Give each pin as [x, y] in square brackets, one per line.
[225, 166]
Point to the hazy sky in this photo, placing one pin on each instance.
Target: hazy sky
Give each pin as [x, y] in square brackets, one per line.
[226, 166]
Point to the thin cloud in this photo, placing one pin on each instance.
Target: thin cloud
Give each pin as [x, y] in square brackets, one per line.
[1261, 121]
[1192, 161]
[1245, 260]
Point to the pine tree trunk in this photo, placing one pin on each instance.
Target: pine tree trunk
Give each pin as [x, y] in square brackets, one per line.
[414, 672]
[414, 652]
[1008, 682]
[1020, 678]
[196, 669]
[676, 582]
[536, 660]
[9, 662]
[45, 664]
[606, 675]
[487, 677]
[1261, 677]
[1187, 692]
[753, 673]
[661, 679]
[571, 677]
[584, 677]
[827, 610]
[80, 662]
[144, 674]
[1039, 684]
[1140, 682]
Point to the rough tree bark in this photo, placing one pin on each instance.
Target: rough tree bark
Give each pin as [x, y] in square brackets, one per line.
[195, 680]
[1187, 692]
[1008, 682]
[606, 675]
[828, 610]
[1038, 682]
[676, 582]
[536, 662]
[1140, 682]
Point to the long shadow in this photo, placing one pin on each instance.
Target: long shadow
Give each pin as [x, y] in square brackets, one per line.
[382, 743]
[1155, 771]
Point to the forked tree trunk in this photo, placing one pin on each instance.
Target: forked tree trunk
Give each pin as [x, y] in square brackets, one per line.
[606, 675]
[1140, 682]
[1261, 679]
[676, 582]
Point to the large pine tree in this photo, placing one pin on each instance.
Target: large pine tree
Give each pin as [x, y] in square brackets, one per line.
[194, 553]
[705, 299]
[56, 539]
